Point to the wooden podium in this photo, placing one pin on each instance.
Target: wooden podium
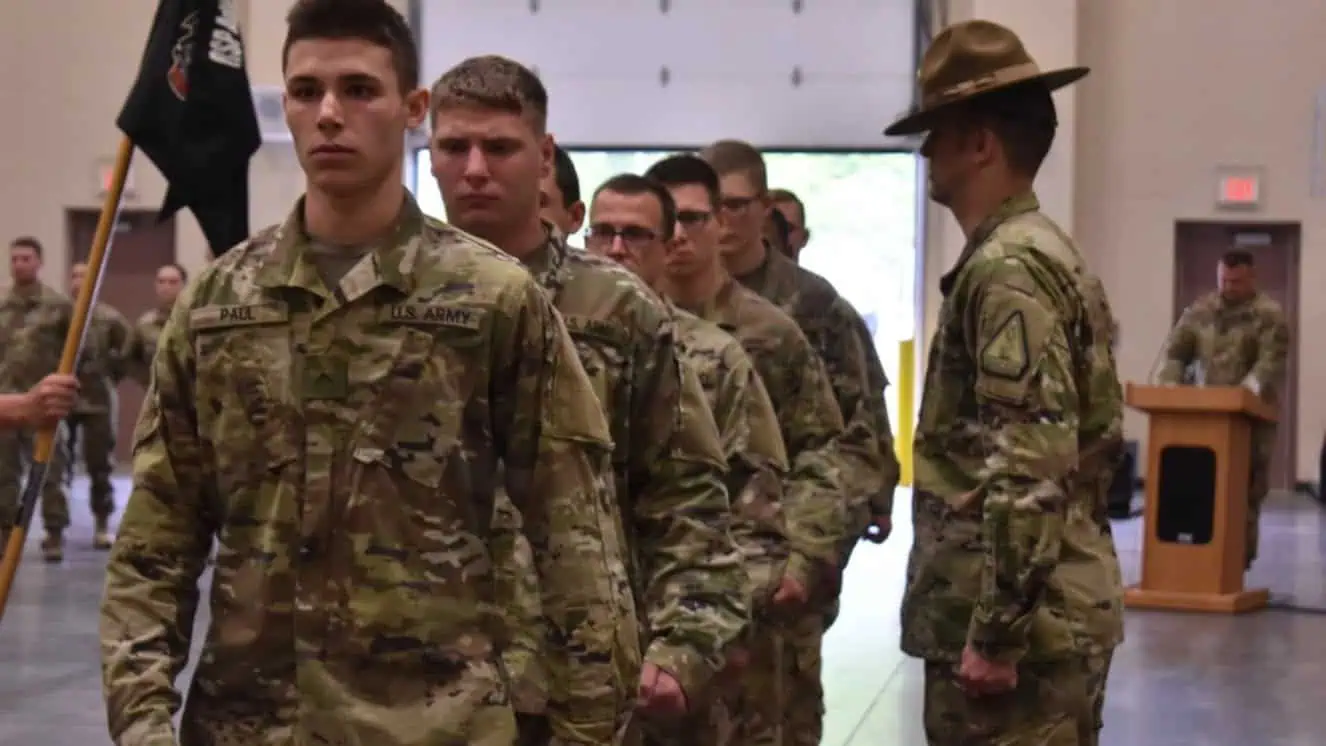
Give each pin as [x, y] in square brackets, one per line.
[1193, 548]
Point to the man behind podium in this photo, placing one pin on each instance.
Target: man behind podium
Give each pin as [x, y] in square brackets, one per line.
[1013, 595]
[1235, 336]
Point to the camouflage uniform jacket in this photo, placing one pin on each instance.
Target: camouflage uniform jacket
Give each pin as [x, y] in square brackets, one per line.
[103, 362]
[341, 446]
[667, 459]
[841, 338]
[33, 327]
[810, 423]
[1235, 343]
[143, 346]
[1020, 428]
[752, 441]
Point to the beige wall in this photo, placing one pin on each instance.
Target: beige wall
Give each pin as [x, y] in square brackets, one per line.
[1178, 88]
[80, 57]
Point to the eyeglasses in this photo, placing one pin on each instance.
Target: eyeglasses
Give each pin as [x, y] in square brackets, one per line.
[633, 236]
[693, 218]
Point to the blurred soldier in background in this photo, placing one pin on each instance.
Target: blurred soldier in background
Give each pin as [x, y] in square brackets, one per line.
[559, 195]
[786, 203]
[170, 280]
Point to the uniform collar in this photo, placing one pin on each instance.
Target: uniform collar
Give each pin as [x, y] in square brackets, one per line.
[1017, 205]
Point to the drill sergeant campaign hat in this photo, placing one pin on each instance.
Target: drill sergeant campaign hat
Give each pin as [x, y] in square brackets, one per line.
[969, 60]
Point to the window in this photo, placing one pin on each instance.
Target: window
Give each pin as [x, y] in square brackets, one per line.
[861, 209]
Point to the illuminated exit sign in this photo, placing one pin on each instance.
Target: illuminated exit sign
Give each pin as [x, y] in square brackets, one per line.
[1238, 187]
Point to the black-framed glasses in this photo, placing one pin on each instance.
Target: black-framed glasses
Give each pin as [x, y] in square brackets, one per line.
[633, 236]
[693, 218]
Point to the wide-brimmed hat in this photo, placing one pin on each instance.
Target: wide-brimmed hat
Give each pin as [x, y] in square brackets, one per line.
[970, 59]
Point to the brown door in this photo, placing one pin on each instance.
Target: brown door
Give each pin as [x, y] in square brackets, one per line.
[139, 246]
[1198, 247]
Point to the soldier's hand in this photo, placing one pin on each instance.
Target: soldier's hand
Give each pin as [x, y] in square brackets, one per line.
[978, 676]
[791, 592]
[51, 400]
[660, 693]
[878, 530]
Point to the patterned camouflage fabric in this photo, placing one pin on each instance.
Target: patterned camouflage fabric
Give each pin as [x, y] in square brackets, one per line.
[1218, 343]
[104, 361]
[143, 346]
[782, 690]
[668, 461]
[342, 447]
[757, 466]
[33, 327]
[1020, 428]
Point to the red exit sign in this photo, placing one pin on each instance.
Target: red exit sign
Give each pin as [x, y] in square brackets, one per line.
[1243, 189]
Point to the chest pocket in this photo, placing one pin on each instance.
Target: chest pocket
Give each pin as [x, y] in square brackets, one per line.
[604, 349]
[242, 355]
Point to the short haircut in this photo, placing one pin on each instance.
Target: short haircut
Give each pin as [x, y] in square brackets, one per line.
[373, 21]
[1238, 258]
[787, 195]
[736, 156]
[782, 228]
[184, 273]
[28, 242]
[564, 173]
[1023, 118]
[685, 170]
[634, 185]
[494, 82]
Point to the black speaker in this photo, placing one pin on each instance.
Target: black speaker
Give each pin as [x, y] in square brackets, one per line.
[1185, 510]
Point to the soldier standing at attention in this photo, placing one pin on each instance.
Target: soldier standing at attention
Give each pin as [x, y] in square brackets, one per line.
[331, 400]
[100, 368]
[634, 221]
[170, 281]
[490, 151]
[1235, 336]
[34, 320]
[790, 206]
[1013, 595]
[559, 195]
[772, 699]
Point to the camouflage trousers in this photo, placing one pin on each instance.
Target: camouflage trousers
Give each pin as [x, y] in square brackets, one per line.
[15, 457]
[1059, 703]
[1259, 484]
[97, 434]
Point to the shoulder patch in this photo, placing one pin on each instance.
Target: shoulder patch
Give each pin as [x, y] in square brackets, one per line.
[1007, 355]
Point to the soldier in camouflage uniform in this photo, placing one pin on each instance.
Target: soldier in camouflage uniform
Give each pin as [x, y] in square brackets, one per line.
[781, 692]
[169, 282]
[332, 400]
[668, 461]
[1013, 595]
[634, 222]
[559, 195]
[1235, 336]
[101, 367]
[836, 333]
[34, 321]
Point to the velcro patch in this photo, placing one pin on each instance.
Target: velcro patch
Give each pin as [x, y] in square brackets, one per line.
[226, 317]
[604, 331]
[435, 314]
[1007, 355]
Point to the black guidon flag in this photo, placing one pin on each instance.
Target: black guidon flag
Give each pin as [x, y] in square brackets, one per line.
[190, 111]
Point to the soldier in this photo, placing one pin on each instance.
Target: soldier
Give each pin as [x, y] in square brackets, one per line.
[834, 328]
[34, 321]
[559, 195]
[332, 400]
[777, 693]
[668, 462]
[1235, 336]
[839, 337]
[44, 405]
[789, 205]
[170, 281]
[100, 368]
[634, 222]
[1013, 595]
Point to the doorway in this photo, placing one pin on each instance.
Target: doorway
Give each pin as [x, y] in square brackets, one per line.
[1198, 246]
[139, 246]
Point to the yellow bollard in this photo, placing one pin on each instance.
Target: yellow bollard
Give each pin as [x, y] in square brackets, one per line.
[906, 423]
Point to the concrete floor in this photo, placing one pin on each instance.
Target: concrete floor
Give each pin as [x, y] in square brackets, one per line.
[1179, 680]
